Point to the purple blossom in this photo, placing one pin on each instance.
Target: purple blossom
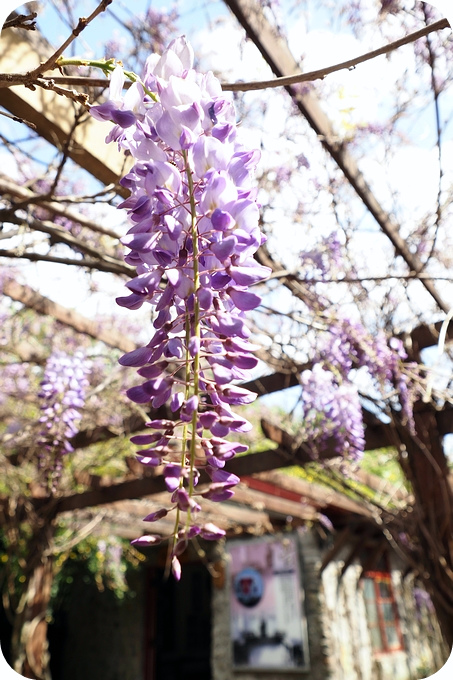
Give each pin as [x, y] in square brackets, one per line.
[423, 602]
[332, 409]
[326, 261]
[330, 399]
[194, 230]
[62, 394]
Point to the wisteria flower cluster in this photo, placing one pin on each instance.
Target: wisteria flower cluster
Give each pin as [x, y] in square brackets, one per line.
[194, 231]
[330, 398]
[62, 394]
[332, 410]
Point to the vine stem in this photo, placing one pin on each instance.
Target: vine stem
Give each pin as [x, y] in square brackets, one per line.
[196, 323]
[107, 66]
[192, 322]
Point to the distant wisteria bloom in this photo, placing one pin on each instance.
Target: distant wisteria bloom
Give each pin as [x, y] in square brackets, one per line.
[193, 233]
[331, 406]
[62, 395]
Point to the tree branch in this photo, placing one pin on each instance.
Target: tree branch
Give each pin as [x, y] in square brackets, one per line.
[10, 188]
[20, 21]
[60, 235]
[7, 80]
[87, 264]
[49, 64]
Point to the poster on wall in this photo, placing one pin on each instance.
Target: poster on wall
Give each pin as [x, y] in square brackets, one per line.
[267, 621]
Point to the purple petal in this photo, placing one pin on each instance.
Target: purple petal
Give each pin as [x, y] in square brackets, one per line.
[162, 398]
[138, 395]
[205, 297]
[138, 357]
[176, 401]
[162, 424]
[123, 118]
[224, 248]
[246, 276]
[131, 301]
[237, 395]
[243, 300]
[181, 498]
[218, 494]
[152, 461]
[147, 540]
[211, 532]
[153, 371]
[221, 220]
[154, 516]
[194, 345]
[222, 375]
[176, 568]
[245, 361]
[208, 419]
[103, 111]
[172, 475]
[144, 439]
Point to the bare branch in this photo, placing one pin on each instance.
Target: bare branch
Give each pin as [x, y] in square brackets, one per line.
[60, 235]
[16, 119]
[349, 65]
[82, 24]
[7, 80]
[10, 188]
[83, 262]
[21, 21]
[33, 78]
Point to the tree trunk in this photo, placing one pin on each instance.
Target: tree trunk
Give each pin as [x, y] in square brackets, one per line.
[29, 648]
[425, 466]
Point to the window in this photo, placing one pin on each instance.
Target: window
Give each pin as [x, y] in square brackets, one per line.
[382, 612]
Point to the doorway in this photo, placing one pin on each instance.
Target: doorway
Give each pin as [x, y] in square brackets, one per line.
[178, 625]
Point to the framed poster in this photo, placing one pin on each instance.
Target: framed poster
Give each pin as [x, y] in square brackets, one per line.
[268, 628]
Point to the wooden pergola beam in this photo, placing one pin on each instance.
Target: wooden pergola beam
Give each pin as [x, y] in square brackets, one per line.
[31, 299]
[53, 115]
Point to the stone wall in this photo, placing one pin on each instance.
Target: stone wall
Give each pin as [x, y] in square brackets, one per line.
[347, 636]
[338, 635]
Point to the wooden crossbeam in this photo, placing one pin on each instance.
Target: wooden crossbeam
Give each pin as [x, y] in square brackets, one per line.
[53, 115]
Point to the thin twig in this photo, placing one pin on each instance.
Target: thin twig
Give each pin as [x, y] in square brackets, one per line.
[16, 119]
[10, 79]
[87, 264]
[436, 95]
[350, 64]
[83, 23]
[9, 188]
[19, 21]
[412, 276]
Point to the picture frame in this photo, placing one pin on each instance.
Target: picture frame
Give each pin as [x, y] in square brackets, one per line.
[267, 618]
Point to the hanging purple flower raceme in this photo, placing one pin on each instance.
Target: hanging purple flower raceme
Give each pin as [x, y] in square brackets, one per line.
[62, 394]
[332, 410]
[194, 231]
[330, 397]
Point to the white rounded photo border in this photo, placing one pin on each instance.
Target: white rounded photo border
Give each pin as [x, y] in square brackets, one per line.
[446, 672]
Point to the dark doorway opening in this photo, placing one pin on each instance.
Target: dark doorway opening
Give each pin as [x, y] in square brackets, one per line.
[178, 630]
[5, 635]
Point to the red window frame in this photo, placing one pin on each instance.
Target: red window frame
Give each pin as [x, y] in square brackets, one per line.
[379, 604]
